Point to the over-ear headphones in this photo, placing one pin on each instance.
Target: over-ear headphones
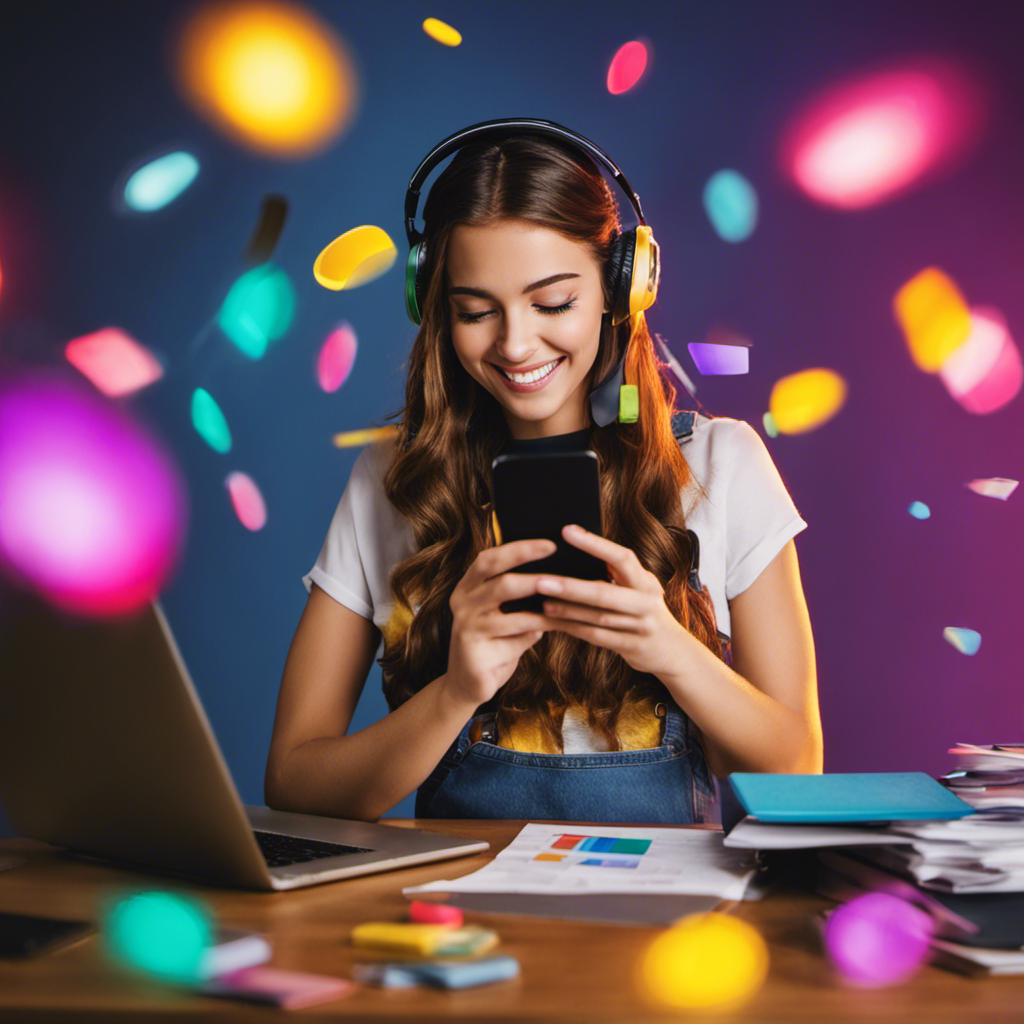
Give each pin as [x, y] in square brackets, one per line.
[634, 266]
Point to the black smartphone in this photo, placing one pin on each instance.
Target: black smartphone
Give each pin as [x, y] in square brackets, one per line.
[23, 935]
[535, 495]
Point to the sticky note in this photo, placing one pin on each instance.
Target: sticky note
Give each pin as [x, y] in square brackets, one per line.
[471, 939]
[416, 938]
[438, 974]
[288, 989]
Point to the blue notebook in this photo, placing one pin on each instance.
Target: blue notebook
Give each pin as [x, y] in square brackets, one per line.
[840, 797]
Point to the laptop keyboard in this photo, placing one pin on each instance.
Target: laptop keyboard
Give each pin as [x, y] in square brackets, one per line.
[279, 850]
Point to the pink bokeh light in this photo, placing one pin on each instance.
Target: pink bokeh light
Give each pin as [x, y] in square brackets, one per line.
[94, 508]
[985, 372]
[247, 500]
[872, 137]
[336, 358]
[876, 940]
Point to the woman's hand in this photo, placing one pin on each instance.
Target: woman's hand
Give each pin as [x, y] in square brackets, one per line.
[628, 616]
[487, 643]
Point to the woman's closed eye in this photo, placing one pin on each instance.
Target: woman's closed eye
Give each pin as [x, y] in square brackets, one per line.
[472, 318]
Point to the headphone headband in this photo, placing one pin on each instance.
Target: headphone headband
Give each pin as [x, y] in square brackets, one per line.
[501, 128]
[634, 260]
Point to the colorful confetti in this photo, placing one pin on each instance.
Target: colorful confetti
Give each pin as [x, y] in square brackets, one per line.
[336, 358]
[114, 361]
[355, 438]
[273, 212]
[804, 401]
[731, 205]
[210, 423]
[158, 183]
[441, 33]
[934, 317]
[246, 500]
[985, 373]
[360, 255]
[627, 67]
[966, 641]
[258, 309]
[994, 487]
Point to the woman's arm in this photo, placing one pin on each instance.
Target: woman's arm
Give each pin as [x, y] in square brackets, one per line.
[762, 714]
[313, 767]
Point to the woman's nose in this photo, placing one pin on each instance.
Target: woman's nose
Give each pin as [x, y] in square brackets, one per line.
[515, 340]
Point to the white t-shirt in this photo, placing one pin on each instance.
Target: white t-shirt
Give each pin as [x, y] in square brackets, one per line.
[746, 521]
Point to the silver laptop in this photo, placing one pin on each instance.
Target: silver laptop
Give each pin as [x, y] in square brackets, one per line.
[106, 750]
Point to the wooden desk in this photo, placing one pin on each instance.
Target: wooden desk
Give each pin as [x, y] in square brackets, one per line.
[570, 970]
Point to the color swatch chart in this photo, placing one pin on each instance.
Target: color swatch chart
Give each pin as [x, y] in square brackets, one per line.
[574, 860]
[631, 848]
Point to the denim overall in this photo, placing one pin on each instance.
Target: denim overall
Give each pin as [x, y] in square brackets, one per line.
[668, 784]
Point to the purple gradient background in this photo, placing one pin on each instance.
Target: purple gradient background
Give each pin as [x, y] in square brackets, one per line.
[85, 92]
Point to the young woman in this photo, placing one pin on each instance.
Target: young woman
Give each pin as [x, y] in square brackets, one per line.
[621, 700]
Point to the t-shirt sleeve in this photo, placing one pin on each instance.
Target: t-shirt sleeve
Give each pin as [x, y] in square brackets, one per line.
[760, 514]
[339, 570]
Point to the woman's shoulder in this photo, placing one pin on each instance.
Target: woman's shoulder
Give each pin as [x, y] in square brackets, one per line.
[375, 457]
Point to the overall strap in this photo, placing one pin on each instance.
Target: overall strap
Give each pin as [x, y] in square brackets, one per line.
[674, 733]
[682, 424]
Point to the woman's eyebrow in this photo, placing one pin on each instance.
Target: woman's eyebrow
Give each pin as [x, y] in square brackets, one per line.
[529, 288]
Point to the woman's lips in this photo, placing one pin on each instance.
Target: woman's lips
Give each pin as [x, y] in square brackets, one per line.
[535, 385]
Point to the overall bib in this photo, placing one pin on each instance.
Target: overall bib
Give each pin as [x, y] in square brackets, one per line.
[668, 784]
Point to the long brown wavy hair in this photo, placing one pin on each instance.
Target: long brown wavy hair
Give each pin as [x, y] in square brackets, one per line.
[451, 429]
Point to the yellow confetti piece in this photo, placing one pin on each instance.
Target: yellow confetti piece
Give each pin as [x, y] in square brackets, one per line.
[358, 256]
[804, 401]
[934, 317]
[354, 438]
[441, 33]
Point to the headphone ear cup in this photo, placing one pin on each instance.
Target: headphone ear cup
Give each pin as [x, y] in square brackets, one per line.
[414, 286]
[621, 272]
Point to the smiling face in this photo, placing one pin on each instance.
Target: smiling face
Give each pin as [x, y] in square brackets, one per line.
[522, 296]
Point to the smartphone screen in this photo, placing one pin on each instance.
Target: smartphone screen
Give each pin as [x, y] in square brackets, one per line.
[536, 494]
[23, 935]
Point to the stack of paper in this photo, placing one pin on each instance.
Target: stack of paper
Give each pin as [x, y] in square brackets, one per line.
[903, 821]
[989, 777]
[906, 834]
[980, 853]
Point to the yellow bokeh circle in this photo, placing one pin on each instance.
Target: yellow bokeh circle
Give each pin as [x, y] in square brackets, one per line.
[268, 73]
[706, 961]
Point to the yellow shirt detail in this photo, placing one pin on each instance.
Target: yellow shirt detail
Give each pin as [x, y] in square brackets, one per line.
[638, 728]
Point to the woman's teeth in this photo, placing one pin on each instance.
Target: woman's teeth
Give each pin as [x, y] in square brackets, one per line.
[529, 378]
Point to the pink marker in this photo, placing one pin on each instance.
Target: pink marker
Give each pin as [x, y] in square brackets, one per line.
[435, 913]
